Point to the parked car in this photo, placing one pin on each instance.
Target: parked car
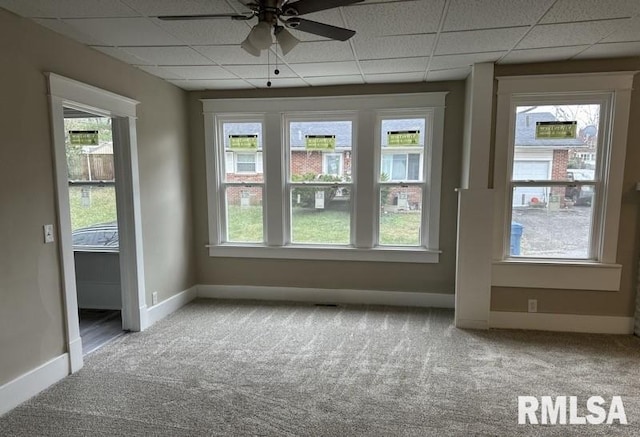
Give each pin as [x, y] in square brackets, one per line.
[103, 235]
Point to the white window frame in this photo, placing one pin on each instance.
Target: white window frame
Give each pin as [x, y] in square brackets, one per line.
[365, 173]
[325, 165]
[601, 272]
[236, 161]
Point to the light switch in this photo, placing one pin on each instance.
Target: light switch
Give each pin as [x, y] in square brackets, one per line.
[48, 233]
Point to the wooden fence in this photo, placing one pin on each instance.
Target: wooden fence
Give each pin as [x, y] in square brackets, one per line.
[91, 167]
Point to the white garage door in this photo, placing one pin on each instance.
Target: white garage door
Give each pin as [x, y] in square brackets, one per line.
[530, 170]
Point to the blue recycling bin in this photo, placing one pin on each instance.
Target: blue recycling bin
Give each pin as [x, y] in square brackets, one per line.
[516, 235]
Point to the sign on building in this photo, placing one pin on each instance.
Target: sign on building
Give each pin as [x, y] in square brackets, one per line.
[403, 138]
[84, 137]
[556, 130]
[320, 142]
[246, 141]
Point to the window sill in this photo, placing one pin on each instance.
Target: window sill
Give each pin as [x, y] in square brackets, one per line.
[335, 253]
[563, 275]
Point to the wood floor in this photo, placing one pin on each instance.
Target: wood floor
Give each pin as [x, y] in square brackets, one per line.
[98, 327]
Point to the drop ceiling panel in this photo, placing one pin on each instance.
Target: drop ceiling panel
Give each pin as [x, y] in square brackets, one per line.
[200, 72]
[630, 31]
[279, 83]
[476, 41]
[444, 62]
[260, 71]
[542, 55]
[320, 51]
[335, 80]
[220, 84]
[69, 8]
[311, 69]
[160, 72]
[608, 50]
[232, 54]
[154, 8]
[479, 14]
[173, 55]
[124, 31]
[565, 11]
[206, 32]
[403, 65]
[386, 47]
[401, 18]
[568, 34]
[451, 74]
[394, 77]
[122, 55]
[64, 29]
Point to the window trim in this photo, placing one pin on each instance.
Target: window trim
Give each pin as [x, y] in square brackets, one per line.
[512, 272]
[365, 174]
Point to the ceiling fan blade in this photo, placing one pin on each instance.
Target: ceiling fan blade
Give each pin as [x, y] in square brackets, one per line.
[205, 17]
[302, 7]
[321, 29]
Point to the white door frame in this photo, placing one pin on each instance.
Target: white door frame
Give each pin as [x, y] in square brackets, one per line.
[68, 92]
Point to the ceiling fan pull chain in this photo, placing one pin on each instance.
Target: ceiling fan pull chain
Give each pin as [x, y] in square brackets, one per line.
[268, 67]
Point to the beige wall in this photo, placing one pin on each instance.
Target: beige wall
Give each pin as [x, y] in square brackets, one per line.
[31, 305]
[620, 303]
[435, 278]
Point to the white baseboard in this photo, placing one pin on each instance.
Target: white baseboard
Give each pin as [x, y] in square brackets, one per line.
[561, 322]
[168, 306]
[24, 387]
[323, 295]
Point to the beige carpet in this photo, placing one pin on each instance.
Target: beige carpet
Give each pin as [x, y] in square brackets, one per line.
[248, 368]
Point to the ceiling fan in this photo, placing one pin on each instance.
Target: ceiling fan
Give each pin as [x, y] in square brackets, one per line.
[272, 12]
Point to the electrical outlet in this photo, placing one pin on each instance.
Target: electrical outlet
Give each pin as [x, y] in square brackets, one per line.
[154, 298]
[533, 306]
[48, 233]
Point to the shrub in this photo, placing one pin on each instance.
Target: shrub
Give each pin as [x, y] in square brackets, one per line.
[308, 194]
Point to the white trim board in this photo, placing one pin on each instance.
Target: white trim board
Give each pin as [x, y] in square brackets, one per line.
[561, 322]
[170, 305]
[25, 386]
[323, 295]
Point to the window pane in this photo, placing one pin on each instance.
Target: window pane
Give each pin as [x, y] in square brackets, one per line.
[556, 142]
[243, 151]
[413, 170]
[400, 216]
[399, 168]
[310, 140]
[333, 164]
[402, 125]
[320, 215]
[552, 227]
[402, 142]
[89, 148]
[244, 215]
[93, 216]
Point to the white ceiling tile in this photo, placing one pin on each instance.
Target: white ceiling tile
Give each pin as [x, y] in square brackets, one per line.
[160, 72]
[484, 14]
[219, 84]
[394, 77]
[565, 11]
[451, 74]
[124, 31]
[69, 8]
[312, 69]
[386, 47]
[542, 55]
[475, 41]
[153, 8]
[400, 65]
[279, 83]
[568, 34]
[611, 50]
[120, 54]
[64, 29]
[401, 18]
[335, 80]
[444, 62]
[320, 51]
[175, 55]
[232, 55]
[207, 32]
[200, 72]
[629, 31]
[260, 71]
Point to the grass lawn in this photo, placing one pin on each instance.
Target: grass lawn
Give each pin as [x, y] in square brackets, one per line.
[329, 226]
[98, 207]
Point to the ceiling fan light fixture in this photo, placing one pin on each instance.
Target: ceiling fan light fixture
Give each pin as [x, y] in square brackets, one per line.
[249, 48]
[286, 40]
[260, 36]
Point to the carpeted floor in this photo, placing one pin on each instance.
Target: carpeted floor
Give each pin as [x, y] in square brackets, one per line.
[248, 368]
